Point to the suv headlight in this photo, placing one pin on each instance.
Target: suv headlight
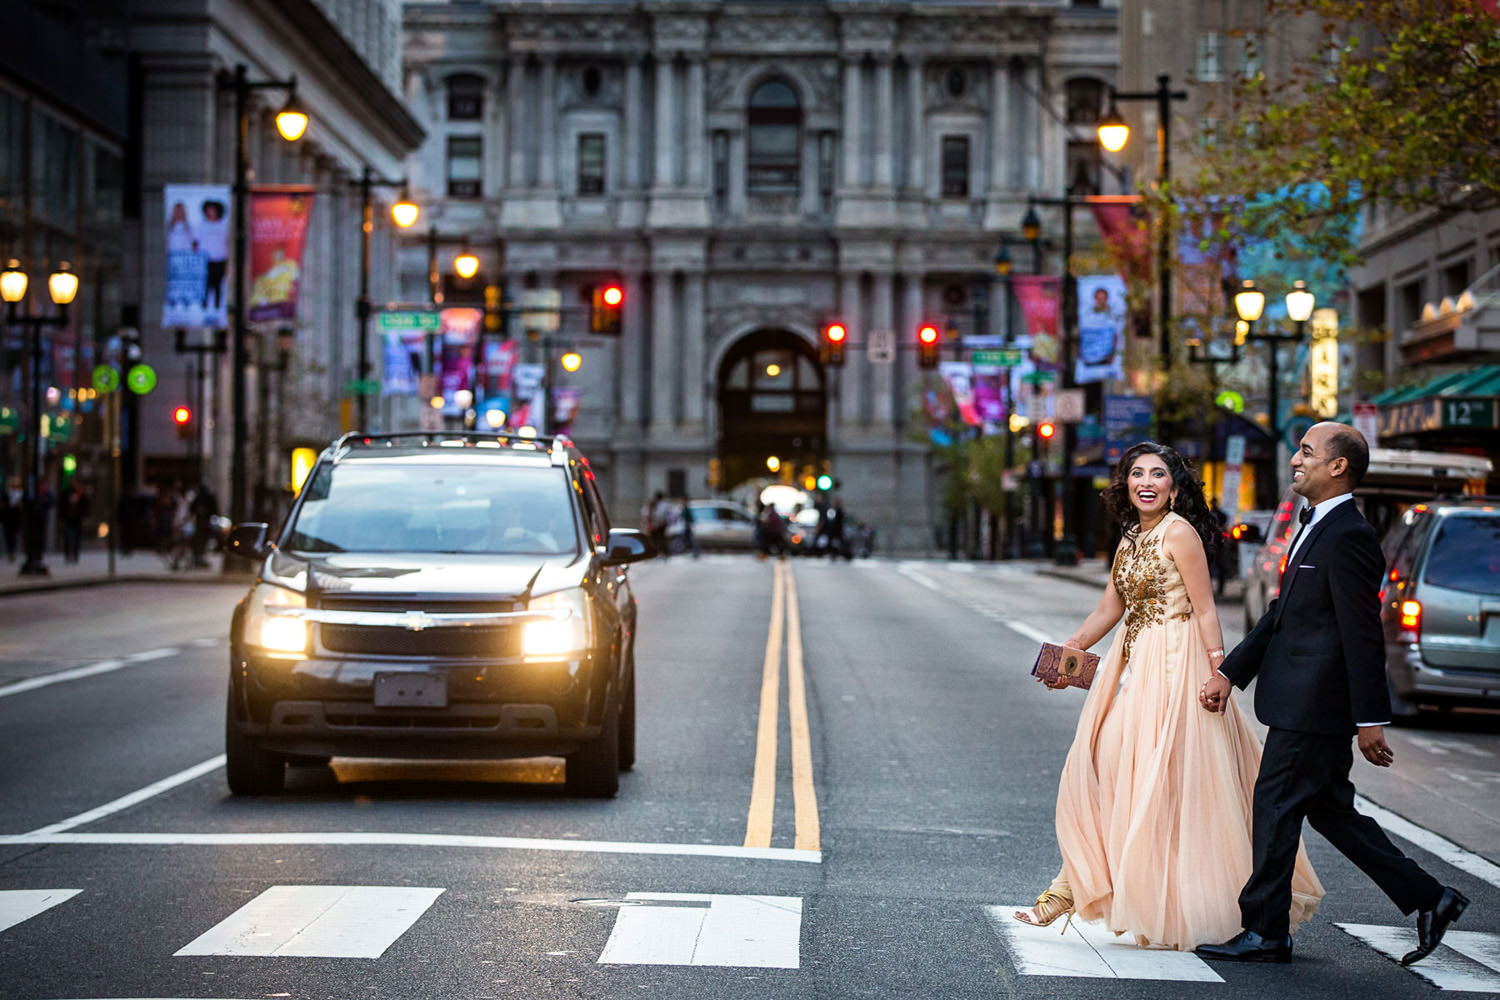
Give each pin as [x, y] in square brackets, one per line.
[562, 637]
[271, 622]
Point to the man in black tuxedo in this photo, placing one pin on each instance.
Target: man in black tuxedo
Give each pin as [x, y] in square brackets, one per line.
[1320, 655]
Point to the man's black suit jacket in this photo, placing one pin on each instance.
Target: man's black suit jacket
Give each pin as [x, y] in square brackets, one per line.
[1319, 650]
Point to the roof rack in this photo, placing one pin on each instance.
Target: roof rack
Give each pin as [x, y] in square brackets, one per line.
[546, 443]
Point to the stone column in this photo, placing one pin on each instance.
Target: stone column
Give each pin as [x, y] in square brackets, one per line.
[884, 112]
[665, 126]
[853, 104]
[849, 377]
[547, 160]
[916, 149]
[633, 339]
[663, 351]
[1032, 132]
[519, 176]
[693, 333]
[882, 318]
[809, 198]
[999, 119]
[906, 360]
[738, 164]
[697, 131]
[632, 126]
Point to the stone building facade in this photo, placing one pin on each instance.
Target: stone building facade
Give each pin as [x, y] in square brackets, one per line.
[750, 172]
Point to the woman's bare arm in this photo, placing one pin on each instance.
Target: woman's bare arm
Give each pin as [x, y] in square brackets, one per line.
[1185, 548]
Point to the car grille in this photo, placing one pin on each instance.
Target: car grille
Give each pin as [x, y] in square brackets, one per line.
[376, 640]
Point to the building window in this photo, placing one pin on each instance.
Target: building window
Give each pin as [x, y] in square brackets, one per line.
[955, 82]
[465, 98]
[465, 166]
[955, 166]
[1085, 101]
[1252, 61]
[775, 124]
[1084, 167]
[592, 81]
[591, 162]
[1210, 57]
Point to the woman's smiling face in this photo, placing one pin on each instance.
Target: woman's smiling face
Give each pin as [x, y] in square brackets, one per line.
[1150, 485]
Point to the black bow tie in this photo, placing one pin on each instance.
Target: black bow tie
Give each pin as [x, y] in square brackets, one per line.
[1305, 515]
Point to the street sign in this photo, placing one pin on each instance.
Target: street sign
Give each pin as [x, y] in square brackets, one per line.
[141, 379]
[429, 322]
[106, 379]
[362, 387]
[996, 358]
[880, 346]
[1067, 406]
[541, 310]
[525, 380]
[1039, 378]
[1367, 421]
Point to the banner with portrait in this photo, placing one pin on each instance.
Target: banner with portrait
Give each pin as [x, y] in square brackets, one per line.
[1039, 296]
[278, 237]
[196, 239]
[1101, 328]
[405, 357]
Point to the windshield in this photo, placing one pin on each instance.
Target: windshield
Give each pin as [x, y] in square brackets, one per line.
[1466, 554]
[422, 507]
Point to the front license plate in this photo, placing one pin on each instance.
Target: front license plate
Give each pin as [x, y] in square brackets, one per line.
[393, 690]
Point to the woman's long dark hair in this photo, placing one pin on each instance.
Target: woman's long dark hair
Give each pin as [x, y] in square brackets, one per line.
[1189, 503]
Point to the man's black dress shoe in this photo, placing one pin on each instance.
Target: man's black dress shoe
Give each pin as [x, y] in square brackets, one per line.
[1433, 923]
[1248, 946]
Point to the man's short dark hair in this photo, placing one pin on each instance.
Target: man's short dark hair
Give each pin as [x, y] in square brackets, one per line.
[1349, 444]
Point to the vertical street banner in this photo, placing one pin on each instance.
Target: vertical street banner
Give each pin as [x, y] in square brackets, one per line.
[405, 351]
[1127, 422]
[278, 236]
[1040, 299]
[455, 356]
[960, 378]
[1101, 328]
[1206, 272]
[196, 237]
[1125, 225]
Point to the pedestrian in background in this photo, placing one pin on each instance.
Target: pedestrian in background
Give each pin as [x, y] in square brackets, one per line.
[658, 516]
[11, 499]
[1220, 565]
[831, 531]
[689, 540]
[75, 509]
[204, 507]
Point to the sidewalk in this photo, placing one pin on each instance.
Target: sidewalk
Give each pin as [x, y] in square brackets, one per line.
[92, 569]
[1095, 573]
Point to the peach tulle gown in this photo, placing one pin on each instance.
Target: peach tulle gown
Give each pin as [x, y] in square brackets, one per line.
[1154, 805]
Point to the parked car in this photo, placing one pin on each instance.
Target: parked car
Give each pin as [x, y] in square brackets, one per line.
[1395, 480]
[437, 596]
[1440, 605]
[717, 524]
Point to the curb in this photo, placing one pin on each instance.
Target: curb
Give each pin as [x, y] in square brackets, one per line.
[98, 581]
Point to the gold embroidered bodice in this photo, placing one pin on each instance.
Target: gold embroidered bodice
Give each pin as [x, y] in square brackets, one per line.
[1149, 583]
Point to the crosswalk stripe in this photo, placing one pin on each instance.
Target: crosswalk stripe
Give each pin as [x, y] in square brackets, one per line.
[1466, 961]
[1089, 950]
[17, 905]
[759, 932]
[317, 921]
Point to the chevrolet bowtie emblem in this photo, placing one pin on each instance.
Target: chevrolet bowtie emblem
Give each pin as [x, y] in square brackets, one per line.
[416, 621]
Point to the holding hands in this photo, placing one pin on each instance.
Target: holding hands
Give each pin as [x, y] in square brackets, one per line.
[1214, 694]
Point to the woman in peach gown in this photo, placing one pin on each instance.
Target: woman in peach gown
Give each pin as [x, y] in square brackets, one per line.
[1154, 805]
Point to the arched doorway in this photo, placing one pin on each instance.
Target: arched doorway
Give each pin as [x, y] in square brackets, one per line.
[773, 400]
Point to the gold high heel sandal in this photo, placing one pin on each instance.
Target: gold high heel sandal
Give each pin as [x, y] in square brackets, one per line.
[1049, 906]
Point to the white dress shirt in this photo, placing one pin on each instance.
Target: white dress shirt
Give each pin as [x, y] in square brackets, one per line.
[1320, 511]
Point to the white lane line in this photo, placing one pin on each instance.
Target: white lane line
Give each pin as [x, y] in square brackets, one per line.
[1465, 962]
[745, 932]
[126, 801]
[1089, 950]
[317, 921]
[362, 839]
[102, 667]
[909, 571]
[153, 654]
[17, 905]
[1438, 846]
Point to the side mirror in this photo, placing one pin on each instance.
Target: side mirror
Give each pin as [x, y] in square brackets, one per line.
[627, 545]
[250, 540]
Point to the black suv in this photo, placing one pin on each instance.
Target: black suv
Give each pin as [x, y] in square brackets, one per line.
[437, 596]
[1440, 605]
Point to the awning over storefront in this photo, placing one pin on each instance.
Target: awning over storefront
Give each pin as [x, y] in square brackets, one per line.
[1458, 405]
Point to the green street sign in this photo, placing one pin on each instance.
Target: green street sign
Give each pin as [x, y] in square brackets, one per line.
[997, 357]
[141, 379]
[428, 322]
[1039, 378]
[106, 379]
[362, 387]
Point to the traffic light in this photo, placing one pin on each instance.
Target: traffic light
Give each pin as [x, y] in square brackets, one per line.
[605, 312]
[1046, 430]
[183, 418]
[927, 346]
[494, 309]
[835, 338]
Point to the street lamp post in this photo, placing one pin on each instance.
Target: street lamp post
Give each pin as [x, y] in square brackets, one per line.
[1248, 303]
[404, 212]
[62, 285]
[1113, 134]
[291, 122]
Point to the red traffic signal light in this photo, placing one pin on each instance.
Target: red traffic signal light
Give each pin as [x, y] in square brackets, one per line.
[605, 312]
[927, 346]
[1046, 429]
[182, 415]
[835, 337]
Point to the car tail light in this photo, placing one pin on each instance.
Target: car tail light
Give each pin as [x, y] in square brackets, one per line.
[1411, 620]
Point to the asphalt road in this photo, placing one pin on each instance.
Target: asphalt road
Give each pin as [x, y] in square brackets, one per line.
[831, 820]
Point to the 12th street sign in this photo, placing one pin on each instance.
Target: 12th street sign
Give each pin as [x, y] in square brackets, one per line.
[428, 322]
[996, 357]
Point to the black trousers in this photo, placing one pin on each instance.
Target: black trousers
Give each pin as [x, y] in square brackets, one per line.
[1306, 776]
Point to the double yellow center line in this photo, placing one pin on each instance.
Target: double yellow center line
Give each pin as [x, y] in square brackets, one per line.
[784, 617]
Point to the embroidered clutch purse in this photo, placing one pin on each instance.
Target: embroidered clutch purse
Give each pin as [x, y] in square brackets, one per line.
[1071, 667]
